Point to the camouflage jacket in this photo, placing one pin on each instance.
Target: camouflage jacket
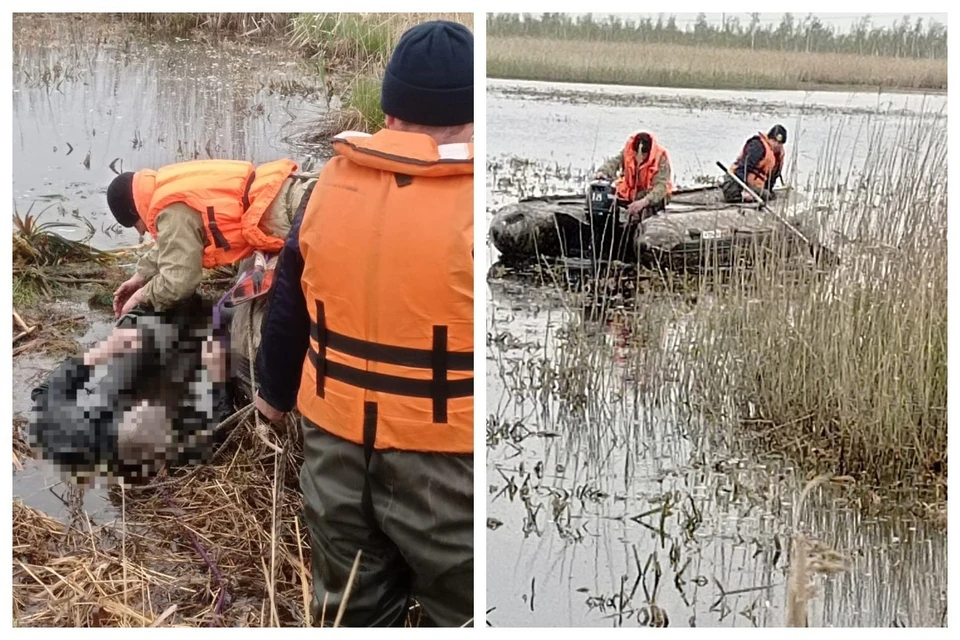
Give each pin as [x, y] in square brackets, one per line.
[657, 194]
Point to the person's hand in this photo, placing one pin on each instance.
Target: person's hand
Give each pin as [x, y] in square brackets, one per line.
[125, 290]
[637, 207]
[601, 176]
[131, 302]
[214, 360]
[268, 412]
[120, 341]
[745, 196]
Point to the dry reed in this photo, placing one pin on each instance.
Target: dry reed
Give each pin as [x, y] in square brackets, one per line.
[808, 559]
[81, 574]
[844, 369]
[671, 65]
[847, 368]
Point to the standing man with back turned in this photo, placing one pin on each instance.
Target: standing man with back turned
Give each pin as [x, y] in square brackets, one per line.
[371, 319]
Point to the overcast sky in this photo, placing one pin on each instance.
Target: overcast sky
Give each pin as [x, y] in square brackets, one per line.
[839, 21]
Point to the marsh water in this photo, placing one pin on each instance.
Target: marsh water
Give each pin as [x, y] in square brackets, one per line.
[87, 95]
[607, 508]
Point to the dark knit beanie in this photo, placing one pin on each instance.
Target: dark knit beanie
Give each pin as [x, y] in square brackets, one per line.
[778, 132]
[429, 79]
[120, 200]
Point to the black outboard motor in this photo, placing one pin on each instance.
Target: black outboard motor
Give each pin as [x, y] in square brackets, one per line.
[603, 212]
[601, 198]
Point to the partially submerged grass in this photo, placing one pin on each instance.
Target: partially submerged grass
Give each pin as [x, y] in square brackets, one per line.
[43, 259]
[236, 24]
[674, 65]
[361, 44]
[361, 109]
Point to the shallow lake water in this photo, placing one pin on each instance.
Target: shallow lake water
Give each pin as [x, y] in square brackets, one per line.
[605, 510]
[80, 105]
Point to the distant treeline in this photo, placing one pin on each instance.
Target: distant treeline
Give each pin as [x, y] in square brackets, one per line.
[905, 39]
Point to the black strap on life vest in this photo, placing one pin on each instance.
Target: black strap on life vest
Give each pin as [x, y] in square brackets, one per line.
[439, 360]
[245, 200]
[219, 241]
[369, 441]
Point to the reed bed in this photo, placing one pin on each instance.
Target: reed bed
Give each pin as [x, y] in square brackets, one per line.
[674, 65]
[234, 24]
[359, 37]
[218, 545]
[847, 368]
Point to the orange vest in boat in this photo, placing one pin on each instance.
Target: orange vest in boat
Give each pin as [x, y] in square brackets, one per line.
[387, 245]
[759, 174]
[640, 178]
[231, 196]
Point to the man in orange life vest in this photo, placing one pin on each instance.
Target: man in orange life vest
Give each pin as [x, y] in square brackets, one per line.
[369, 333]
[758, 165]
[645, 180]
[202, 214]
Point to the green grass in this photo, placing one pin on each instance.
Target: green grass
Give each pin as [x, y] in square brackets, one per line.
[363, 101]
[27, 291]
[343, 35]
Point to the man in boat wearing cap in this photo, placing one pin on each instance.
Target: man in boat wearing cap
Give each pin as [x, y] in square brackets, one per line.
[645, 180]
[758, 165]
[202, 214]
[369, 333]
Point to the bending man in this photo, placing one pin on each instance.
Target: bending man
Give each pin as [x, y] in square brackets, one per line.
[202, 214]
[645, 175]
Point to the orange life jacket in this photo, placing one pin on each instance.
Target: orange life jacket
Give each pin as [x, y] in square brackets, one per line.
[387, 244]
[640, 178]
[231, 196]
[759, 174]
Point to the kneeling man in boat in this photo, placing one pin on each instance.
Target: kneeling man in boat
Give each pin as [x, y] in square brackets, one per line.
[758, 165]
[645, 180]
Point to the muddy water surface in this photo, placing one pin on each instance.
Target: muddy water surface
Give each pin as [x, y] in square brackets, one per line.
[80, 105]
[610, 505]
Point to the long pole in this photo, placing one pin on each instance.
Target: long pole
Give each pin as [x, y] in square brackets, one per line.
[763, 205]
